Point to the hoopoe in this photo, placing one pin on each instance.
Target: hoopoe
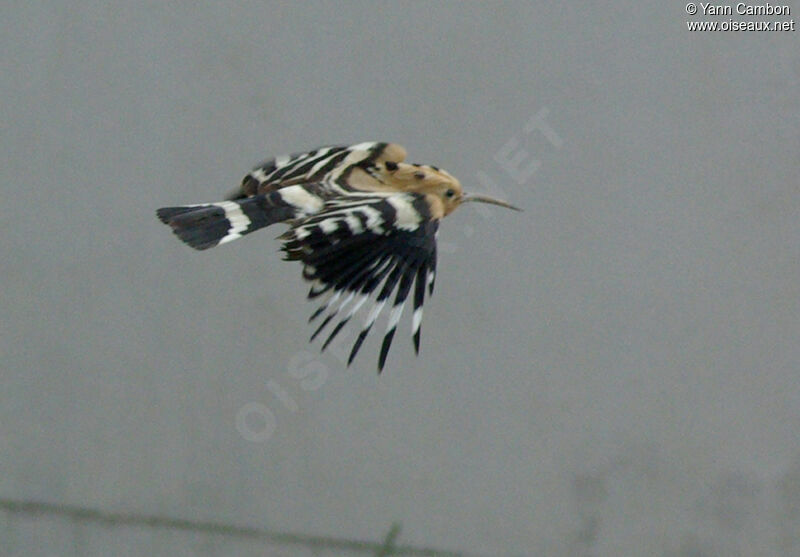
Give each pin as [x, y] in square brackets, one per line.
[360, 220]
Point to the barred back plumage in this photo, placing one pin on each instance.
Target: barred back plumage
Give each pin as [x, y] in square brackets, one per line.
[361, 221]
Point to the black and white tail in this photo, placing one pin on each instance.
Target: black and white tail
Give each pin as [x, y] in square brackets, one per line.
[207, 225]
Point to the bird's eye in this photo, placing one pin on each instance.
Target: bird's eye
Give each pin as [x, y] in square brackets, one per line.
[450, 194]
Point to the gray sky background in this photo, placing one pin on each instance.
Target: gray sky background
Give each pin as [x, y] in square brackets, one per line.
[613, 371]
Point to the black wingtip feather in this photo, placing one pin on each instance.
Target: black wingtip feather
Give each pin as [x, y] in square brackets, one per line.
[322, 326]
[387, 343]
[335, 332]
[317, 313]
[361, 336]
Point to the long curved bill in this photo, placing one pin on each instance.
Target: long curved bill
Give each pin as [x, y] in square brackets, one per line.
[486, 199]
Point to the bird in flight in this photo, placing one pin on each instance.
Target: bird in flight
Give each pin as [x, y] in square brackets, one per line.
[361, 221]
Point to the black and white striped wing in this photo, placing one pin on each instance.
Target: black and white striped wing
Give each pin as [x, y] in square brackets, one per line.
[367, 246]
[330, 165]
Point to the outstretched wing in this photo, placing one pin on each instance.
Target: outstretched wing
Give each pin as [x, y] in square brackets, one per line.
[366, 245]
[330, 165]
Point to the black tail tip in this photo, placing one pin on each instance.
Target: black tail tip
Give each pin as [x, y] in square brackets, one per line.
[200, 227]
[166, 214]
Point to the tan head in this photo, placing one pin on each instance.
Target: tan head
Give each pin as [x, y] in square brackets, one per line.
[443, 189]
